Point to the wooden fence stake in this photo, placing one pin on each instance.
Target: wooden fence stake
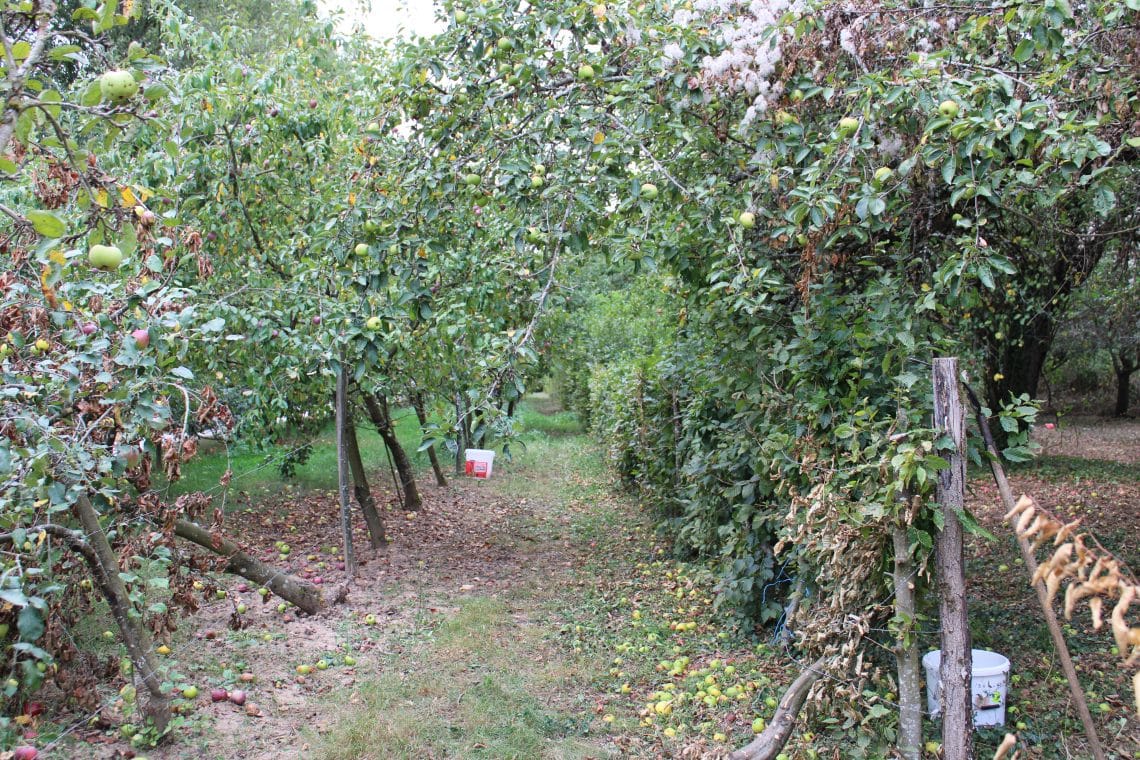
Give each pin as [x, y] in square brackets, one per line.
[956, 664]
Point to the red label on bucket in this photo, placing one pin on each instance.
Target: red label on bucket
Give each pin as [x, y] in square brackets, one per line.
[469, 470]
[480, 469]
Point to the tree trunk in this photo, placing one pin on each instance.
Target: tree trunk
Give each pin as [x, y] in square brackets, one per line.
[305, 596]
[1124, 365]
[460, 436]
[956, 659]
[342, 468]
[1015, 362]
[771, 741]
[421, 415]
[1123, 385]
[361, 490]
[906, 649]
[378, 412]
[105, 567]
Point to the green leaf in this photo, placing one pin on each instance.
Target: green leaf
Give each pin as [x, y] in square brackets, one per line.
[1024, 51]
[14, 597]
[8, 166]
[183, 373]
[30, 623]
[46, 223]
[92, 95]
[971, 525]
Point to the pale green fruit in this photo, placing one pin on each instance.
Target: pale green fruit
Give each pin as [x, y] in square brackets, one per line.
[118, 86]
[105, 257]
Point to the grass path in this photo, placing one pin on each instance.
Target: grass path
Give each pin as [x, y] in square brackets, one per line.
[487, 679]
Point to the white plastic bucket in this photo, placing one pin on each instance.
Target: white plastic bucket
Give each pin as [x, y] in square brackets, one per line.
[990, 673]
[480, 462]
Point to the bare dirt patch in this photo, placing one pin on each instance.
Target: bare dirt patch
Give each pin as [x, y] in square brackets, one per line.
[468, 541]
[1091, 438]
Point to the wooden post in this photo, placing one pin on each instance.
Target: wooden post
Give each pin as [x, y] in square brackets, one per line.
[342, 467]
[956, 664]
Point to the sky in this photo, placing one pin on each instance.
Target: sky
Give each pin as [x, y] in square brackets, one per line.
[387, 18]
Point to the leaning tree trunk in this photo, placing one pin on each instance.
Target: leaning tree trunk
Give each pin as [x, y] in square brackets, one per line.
[378, 412]
[305, 596]
[421, 415]
[772, 739]
[105, 567]
[361, 491]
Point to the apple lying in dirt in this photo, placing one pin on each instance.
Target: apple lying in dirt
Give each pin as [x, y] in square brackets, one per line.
[370, 620]
[25, 753]
[219, 695]
[237, 696]
[190, 692]
[304, 669]
[142, 337]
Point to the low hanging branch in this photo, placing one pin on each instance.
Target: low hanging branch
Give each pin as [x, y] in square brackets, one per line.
[771, 741]
[305, 596]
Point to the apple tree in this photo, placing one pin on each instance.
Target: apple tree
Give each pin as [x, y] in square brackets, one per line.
[852, 191]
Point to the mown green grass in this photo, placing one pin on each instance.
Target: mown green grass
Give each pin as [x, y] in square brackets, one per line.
[1076, 470]
[464, 695]
[258, 473]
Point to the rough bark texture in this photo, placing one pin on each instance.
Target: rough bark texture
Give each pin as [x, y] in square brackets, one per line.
[363, 493]
[460, 435]
[955, 671]
[342, 469]
[906, 650]
[1124, 364]
[1050, 266]
[772, 739]
[381, 417]
[305, 596]
[105, 567]
[1075, 689]
[421, 415]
